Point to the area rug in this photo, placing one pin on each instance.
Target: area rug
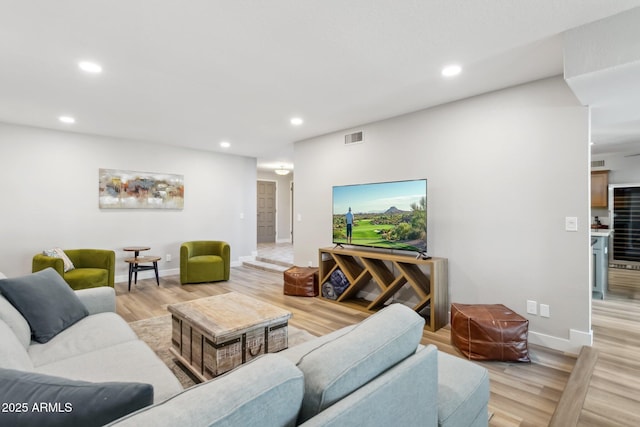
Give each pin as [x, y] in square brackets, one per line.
[156, 332]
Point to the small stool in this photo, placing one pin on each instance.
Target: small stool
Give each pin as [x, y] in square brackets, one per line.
[134, 267]
[489, 332]
[301, 282]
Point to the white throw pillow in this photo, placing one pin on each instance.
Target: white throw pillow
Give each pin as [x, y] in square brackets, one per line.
[59, 253]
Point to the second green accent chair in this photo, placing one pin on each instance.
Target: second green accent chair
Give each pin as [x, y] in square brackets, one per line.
[91, 267]
[204, 261]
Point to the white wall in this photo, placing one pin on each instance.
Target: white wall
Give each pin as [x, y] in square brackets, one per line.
[624, 168]
[283, 203]
[50, 198]
[504, 170]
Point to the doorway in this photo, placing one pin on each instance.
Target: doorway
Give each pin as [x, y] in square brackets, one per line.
[266, 215]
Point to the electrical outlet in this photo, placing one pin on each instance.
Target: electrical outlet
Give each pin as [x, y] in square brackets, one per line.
[532, 307]
[544, 310]
[168, 257]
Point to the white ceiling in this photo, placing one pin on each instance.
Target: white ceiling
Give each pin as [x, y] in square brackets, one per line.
[197, 72]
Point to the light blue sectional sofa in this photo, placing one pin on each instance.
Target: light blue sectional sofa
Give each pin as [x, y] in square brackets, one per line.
[374, 373]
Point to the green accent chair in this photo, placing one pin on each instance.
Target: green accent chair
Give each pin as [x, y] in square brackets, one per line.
[204, 261]
[92, 267]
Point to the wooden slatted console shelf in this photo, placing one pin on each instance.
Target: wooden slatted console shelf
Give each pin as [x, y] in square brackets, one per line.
[426, 278]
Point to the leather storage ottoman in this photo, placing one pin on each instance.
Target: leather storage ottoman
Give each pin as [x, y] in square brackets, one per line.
[489, 332]
[301, 282]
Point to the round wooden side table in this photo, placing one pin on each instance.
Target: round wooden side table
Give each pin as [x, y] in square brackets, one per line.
[134, 267]
[136, 249]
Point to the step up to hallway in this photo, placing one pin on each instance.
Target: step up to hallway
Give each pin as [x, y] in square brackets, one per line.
[268, 265]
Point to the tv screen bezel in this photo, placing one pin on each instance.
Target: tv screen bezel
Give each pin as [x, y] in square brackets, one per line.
[409, 250]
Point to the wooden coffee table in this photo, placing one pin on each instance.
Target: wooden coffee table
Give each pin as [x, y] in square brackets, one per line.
[213, 335]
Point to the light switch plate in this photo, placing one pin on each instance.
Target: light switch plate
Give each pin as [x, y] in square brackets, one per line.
[571, 223]
[532, 307]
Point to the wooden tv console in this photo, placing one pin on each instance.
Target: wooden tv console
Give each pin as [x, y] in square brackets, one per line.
[427, 278]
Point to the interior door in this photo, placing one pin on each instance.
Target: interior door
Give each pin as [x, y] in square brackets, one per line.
[266, 212]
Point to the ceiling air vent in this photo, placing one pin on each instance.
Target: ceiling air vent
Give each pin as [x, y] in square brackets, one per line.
[597, 163]
[354, 138]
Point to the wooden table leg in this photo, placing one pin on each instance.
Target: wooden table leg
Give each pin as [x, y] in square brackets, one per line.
[130, 271]
[155, 267]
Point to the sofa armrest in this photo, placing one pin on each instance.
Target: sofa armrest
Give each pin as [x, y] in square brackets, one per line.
[40, 262]
[98, 300]
[463, 392]
[185, 254]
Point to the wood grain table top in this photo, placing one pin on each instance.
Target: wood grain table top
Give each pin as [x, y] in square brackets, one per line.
[136, 248]
[142, 259]
[227, 314]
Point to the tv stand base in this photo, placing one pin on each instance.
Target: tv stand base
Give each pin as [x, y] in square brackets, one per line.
[426, 278]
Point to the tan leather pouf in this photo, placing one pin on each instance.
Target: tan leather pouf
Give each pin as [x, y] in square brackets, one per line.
[489, 332]
[301, 282]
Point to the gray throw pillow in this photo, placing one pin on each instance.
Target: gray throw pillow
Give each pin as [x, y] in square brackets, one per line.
[32, 399]
[46, 301]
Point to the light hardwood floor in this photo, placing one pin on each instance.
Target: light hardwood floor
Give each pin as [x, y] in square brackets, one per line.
[521, 394]
[613, 394]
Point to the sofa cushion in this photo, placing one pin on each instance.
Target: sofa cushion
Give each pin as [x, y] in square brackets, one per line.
[85, 278]
[98, 300]
[337, 368]
[264, 392]
[404, 395]
[203, 268]
[59, 253]
[127, 361]
[46, 302]
[12, 354]
[45, 400]
[82, 338]
[463, 392]
[296, 352]
[15, 321]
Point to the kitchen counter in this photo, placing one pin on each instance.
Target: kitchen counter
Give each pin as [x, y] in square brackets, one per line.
[601, 232]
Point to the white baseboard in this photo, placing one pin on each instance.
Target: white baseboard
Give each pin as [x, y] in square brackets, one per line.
[149, 274]
[243, 259]
[577, 339]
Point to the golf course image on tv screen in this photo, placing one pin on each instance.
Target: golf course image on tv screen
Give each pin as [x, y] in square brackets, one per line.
[390, 215]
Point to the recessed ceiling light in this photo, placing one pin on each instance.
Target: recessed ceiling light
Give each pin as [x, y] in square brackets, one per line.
[67, 119]
[451, 70]
[90, 67]
[296, 121]
[225, 144]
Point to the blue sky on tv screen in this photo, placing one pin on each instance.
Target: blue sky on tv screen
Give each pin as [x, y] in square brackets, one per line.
[378, 197]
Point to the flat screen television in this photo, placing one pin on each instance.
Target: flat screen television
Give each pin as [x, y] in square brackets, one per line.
[387, 215]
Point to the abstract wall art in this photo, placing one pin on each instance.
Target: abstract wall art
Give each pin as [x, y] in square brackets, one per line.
[122, 189]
